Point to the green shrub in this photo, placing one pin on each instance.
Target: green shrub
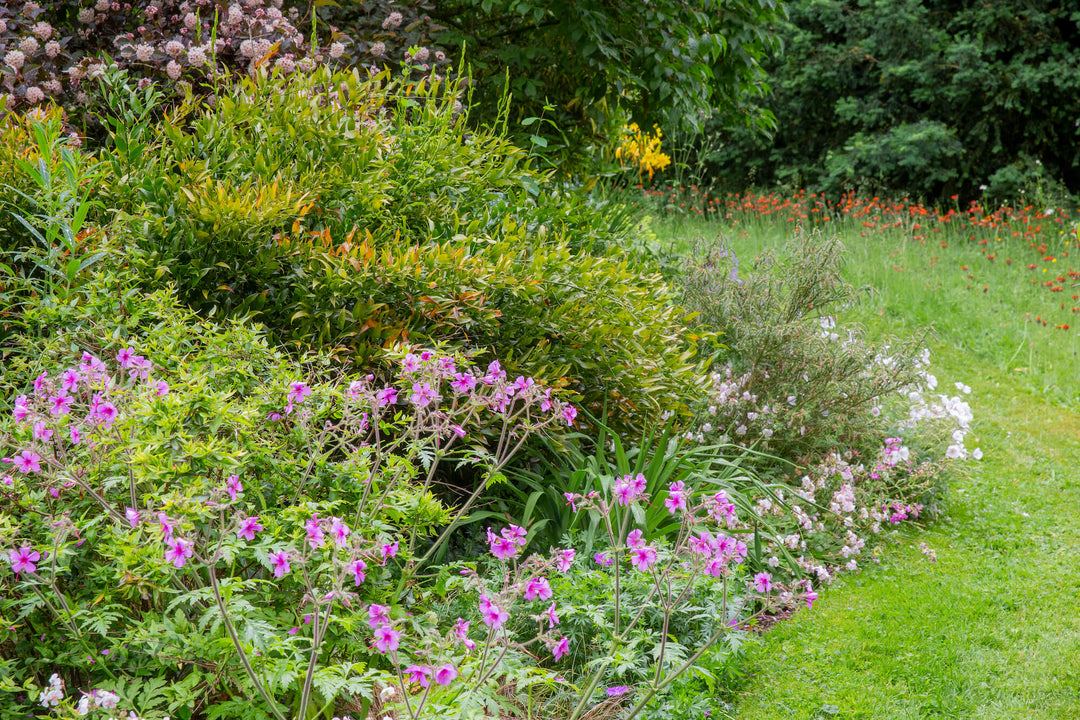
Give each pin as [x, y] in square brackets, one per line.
[795, 384]
[383, 219]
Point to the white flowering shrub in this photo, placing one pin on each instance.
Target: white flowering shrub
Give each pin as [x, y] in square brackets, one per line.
[50, 50]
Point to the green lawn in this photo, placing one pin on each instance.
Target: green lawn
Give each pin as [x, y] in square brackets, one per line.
[990, 630]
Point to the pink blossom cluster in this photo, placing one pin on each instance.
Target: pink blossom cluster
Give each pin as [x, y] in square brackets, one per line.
[76, 408]
[52, 49]
[444, 396]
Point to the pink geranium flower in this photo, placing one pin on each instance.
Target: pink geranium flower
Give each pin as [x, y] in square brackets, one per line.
[538, 588]
[461, 629]
[28, 461]
[315, 535]
[446, 674]
[280, 561]
[248, 527]
[297, 392]
[565, 560]
[386, 396]
[502, 548]
[70, 380]
[463, 382]
[233, 486]
[418, 674]
[676, 499]
[378, 615]
[177, 551]
[23, 559]
[643, 557]
[22, 408]
[42, 432]
[569, 413]
[763, 582]
[358, 568]
[634, 539]
[132, 516]
[551, 615]
[561, 648]
[125, 356]
[492, 615]
[60, 404]
[387, 638]
[422, 394]
[339, 531]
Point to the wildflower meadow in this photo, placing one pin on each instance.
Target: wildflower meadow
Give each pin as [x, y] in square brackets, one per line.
[394, 361]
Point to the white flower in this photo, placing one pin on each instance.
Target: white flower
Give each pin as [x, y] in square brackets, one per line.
[34, 95]
[197, 56]
[173, 48]
[955, 452]
[103, 5]
[191, 21]
[52, 48]
[963, 388]
[392, 20]
[174, 70]
[86, 15]
[15, 59]
[29, 45]
[43, 30]
[378, 49]
[247, 48]
[977, 453]
[286, 65]
[336, 50]
[144, 52]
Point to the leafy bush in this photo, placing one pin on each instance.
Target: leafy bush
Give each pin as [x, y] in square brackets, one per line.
[918, 97]
[222, 534]
[793, 384]
[52, 50]
[385, 219]
[219, 441]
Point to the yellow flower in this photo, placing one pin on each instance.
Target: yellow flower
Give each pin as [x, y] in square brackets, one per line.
[642, 150]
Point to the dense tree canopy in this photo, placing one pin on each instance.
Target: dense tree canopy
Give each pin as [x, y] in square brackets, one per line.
[927, 97]
[664, 61]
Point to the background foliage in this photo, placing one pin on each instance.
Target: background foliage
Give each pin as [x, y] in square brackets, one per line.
[930, 98]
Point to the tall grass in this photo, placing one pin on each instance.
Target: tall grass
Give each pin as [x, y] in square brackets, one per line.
[1002, 285]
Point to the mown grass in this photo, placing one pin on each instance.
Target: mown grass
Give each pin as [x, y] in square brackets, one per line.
[990, 630]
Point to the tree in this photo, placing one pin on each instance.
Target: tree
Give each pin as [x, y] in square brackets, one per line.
[671, 62]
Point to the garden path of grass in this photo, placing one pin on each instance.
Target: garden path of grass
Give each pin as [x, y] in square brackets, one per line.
[992, 629]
